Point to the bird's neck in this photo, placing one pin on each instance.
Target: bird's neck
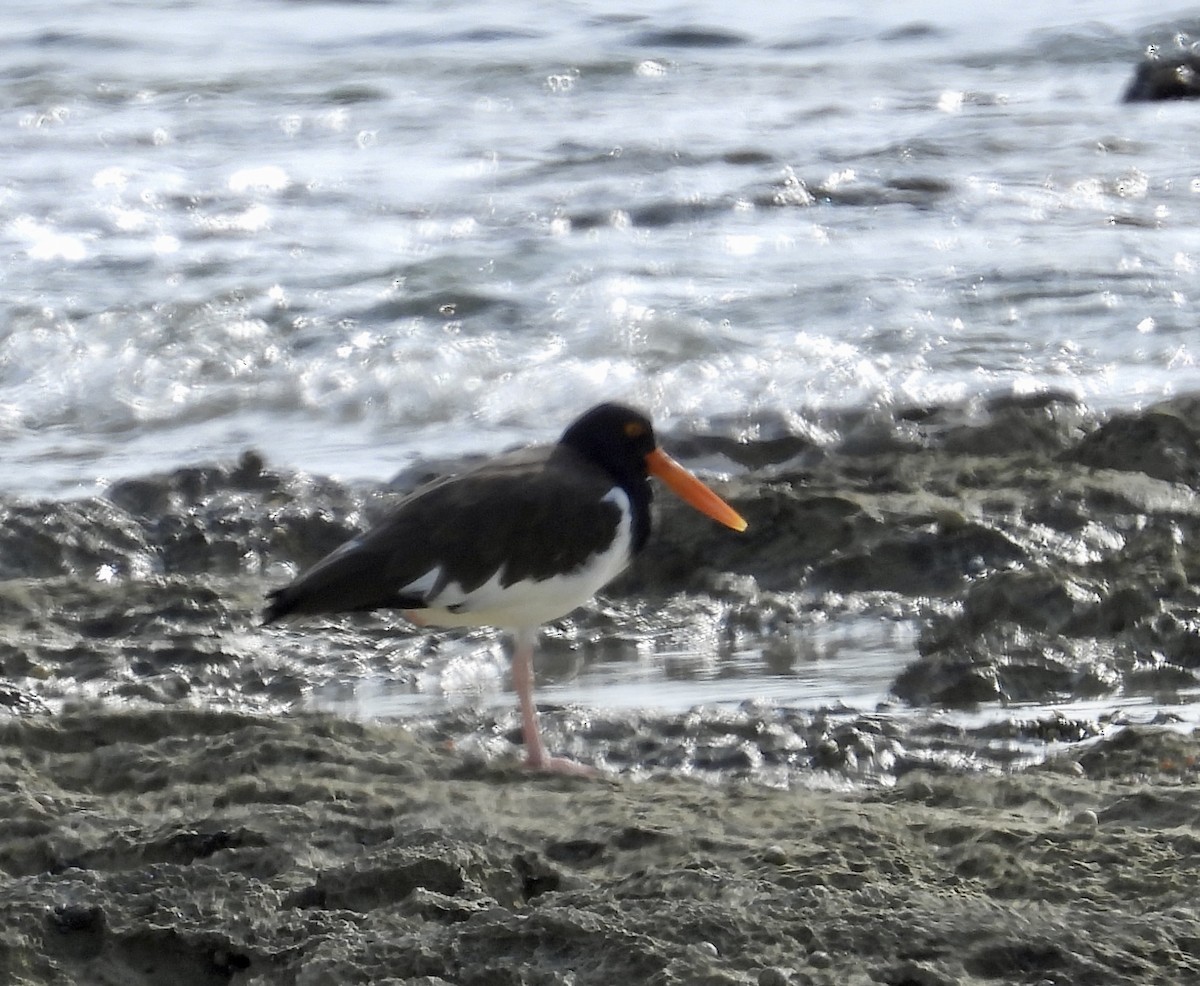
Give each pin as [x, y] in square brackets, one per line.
[640, 494]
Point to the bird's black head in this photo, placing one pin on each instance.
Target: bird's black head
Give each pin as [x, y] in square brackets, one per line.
[615, 437]
[621, 441]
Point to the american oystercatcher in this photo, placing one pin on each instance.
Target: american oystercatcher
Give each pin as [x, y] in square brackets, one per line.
[514, 543]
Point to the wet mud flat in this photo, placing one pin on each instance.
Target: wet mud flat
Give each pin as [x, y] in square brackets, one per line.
[171, 814]
[189, 847]
[1044, 553]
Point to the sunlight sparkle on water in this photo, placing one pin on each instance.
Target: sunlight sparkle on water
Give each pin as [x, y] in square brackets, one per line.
[267, 178]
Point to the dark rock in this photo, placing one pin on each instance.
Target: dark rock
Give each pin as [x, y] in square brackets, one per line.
[1043, 423]
[921, 561]
[1005, 664]
[1158, 442]
[1162, 77]
[142, 497]
[77, 917]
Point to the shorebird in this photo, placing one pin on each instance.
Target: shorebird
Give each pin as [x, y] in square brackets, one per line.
[519, 541]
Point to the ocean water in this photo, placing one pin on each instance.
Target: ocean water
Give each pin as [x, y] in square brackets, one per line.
[352, 234]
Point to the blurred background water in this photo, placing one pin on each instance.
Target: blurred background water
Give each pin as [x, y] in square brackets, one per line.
[349, 234]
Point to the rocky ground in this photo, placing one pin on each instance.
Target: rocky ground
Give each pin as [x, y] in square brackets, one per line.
[1046, 553]
[203, 848]
[171, 815]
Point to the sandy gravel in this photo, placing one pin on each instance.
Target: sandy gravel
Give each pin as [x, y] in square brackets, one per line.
[195, 848]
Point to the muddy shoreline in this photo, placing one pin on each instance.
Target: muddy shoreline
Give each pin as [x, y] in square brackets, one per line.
[1042, 554]
[209, 848]
[173, 815]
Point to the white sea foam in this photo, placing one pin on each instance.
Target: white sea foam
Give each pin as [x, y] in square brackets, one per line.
[832, 209]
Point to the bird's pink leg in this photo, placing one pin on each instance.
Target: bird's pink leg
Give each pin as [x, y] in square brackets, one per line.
[536, 757]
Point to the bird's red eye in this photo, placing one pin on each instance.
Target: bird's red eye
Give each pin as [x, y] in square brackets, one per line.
[634, 429]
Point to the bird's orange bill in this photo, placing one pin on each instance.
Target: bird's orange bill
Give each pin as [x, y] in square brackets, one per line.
[693, 492]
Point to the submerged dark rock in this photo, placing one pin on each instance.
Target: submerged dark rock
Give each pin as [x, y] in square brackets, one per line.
[1161, 77]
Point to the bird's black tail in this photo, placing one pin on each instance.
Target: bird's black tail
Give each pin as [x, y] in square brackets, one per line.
[278, 605]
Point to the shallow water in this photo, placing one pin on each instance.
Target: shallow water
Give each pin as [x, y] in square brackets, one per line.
[850, 664]
[351, 234]
[848, 674]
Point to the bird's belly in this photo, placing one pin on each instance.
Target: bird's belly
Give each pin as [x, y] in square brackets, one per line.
[527, 603]
[522, 604]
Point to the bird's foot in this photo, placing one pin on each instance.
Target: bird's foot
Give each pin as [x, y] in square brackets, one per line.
[558, 765]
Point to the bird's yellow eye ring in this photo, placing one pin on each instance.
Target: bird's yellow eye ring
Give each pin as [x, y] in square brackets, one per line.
[634, 429]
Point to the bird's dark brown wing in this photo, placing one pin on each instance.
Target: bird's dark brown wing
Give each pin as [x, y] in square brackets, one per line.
[530, 515]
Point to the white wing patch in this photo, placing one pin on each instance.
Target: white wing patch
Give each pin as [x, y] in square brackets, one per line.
[424, 585]
[527, 604]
